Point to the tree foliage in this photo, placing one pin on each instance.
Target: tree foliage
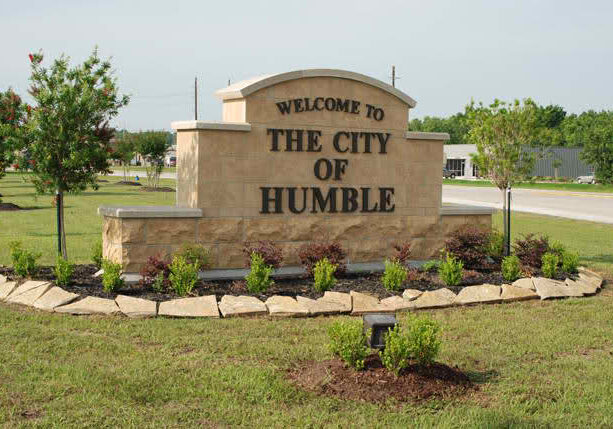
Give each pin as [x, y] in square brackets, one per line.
[153, 145]
[124, 150]
[455, 125]
[597, 135]
[13, 116]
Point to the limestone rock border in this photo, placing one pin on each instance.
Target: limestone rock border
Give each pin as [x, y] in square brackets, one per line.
[41, 295]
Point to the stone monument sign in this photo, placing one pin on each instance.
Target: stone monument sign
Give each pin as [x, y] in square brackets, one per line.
[300, 156]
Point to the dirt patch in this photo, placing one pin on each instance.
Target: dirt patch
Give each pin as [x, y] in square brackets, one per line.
[377, 384]
[8, 207]
[158, 189]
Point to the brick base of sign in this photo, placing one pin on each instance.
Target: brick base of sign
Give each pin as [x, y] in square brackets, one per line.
[354, 303]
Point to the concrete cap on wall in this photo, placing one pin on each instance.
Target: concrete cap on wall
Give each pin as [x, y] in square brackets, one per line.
[246, 87]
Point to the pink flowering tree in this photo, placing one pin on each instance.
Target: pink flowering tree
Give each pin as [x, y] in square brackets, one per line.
[13, 116]
[67, 136]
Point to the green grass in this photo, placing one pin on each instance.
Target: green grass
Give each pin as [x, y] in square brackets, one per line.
[36, 227]
[119, 169]
[575, 187]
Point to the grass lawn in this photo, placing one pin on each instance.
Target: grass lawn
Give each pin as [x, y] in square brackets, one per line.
[576, 187]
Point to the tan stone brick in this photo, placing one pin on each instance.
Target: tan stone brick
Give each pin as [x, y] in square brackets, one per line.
[367, 250]
[112, 252]
[269, 228]
[134, 257]
[111, 230]
[132, 230]
[230, 256]
[171, 231]
[426, 248]
[423, 226]
[220, 229]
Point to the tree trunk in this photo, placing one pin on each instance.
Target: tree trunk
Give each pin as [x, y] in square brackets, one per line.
[504, 220]
[62, 229]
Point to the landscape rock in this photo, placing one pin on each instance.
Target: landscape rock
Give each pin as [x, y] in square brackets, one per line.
[363, 303]
[548, 288]
[6, 289]
[286, 306]
[341, 299]
[397, 303]
[28, 296]
[98, 273]
[89, 305]
[27, 286]
[202, 306]
[411, 294]
[136, 307]
[3, 279]
[434, 299]
[233, 306]
[514, 293]
[320, 306]
[525, 283]
[590, 277]
[582, 286]
[54, 297]
[479, 295]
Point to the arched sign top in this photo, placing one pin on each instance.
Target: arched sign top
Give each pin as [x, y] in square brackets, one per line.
[246, 87]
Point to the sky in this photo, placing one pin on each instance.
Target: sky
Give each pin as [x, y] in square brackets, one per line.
[445, 51]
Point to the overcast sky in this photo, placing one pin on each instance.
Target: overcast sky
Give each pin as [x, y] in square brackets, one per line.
[445, 52]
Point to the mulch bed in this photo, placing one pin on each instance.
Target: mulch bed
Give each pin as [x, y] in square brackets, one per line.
[158, 189]
[376, 384]
[128, 183]
[7, 207]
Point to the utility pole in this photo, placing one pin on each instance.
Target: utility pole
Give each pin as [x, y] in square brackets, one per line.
[196, 98]
[394, 76]
[228, 82]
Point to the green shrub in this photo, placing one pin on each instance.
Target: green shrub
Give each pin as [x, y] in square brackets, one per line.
[183, 275]
[159, 283]
[347, 340]
[258, 279]
[395, 275]
[423, 339]
[495, 247]
[550, 264]
[195, 254]
[63, 271]
[397, 353]
[511, 268]
[323, 275]
[96, 253]
[431, 266]
[558, 248]
[451, 270]
[570, 262]
[111, 278]
[24, 260]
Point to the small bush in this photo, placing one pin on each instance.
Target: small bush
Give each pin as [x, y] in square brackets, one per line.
[470, 245]
[397, 352]
[431, 266]
[155, 273]
[111, 278]
[495, 247]
[558, 248]
[323, 275]
[414, 275]
[258, 279]
[348, 342]
[511, 268]
[530, 250]
[395, 275]
[270, 253]
[451, 270]
[311, 253]
[550, 265]
[63, 271]
[195, 254]
[96, 253]
[570, 262]
[423, 339]
[23, 260]
[403, 252]
[183, 275]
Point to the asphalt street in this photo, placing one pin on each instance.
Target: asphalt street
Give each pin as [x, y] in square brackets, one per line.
[596, 207]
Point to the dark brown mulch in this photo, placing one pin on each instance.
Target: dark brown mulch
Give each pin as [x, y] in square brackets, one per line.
[8, 207]
[158, 189]
[128, 183]
[376, 384]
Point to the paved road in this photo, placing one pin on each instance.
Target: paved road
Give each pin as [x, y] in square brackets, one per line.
[597, 207]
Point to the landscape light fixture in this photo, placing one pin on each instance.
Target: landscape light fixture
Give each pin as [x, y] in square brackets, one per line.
[378, 324]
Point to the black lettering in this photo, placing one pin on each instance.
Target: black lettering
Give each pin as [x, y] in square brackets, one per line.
[313, 144]
[342, 105]
[292, 200]
[275, 138]
[284, 107]
[354, 142]
[317, 169]
[369, 111]
[308, 106]
[378, 114]
[365, 202]
[385, 200]
[298, 107]
[318, 105]
[355, 107]
[350, 200]
[367, 137]
[319, 200]
[339, 168]
[330, 104]
[335, 140]
[289, 140]
[383, 141]
[277, 199]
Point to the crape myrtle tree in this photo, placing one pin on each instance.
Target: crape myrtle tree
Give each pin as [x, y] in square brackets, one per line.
[67, 139]
[124, 151]
[502, 132]
[13, 115]
[152, 145]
